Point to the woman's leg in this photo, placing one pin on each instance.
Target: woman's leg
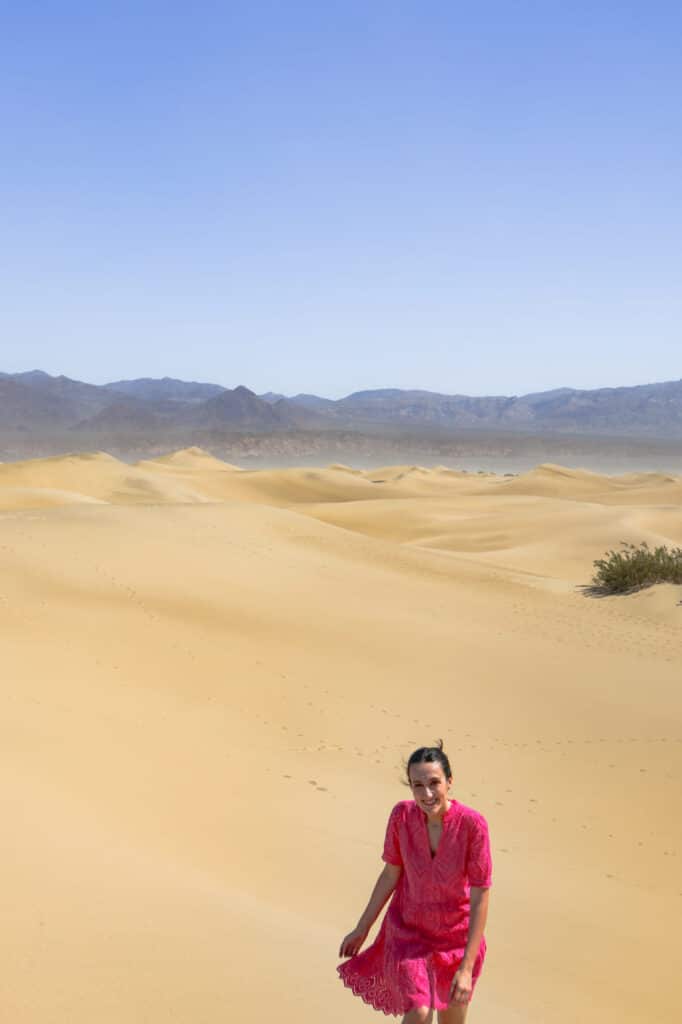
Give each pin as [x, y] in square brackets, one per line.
[420, 1015]
[455, 1014]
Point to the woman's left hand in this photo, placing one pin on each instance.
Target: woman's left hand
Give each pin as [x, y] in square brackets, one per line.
[460, 990]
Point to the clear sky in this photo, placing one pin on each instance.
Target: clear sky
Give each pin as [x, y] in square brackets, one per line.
[471, 197]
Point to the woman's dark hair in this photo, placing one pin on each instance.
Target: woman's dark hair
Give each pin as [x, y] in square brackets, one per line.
[428, 755]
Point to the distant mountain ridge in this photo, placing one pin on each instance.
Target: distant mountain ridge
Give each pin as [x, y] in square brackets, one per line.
[165, 388]
[35, 402]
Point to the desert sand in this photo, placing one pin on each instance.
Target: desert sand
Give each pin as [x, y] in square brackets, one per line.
[212, 676]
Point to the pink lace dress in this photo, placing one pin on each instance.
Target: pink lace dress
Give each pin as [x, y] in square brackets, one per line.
[424, 932]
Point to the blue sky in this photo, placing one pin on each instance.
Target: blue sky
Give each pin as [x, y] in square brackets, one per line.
[479, 198]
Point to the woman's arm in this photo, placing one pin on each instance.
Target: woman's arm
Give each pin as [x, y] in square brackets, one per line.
[478, 915]
[385, 884]
[462, 984]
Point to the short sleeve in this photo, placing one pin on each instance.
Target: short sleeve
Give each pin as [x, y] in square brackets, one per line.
[479, 867]
[391, 852]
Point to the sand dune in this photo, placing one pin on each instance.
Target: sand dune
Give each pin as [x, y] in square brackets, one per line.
[580, 485]
[211, 677]
[191, 459]
[93, 476]
[193, 475]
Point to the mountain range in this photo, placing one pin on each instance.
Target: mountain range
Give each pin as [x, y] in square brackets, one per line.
[36, 404]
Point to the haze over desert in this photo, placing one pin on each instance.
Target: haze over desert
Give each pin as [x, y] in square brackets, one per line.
[212, 677]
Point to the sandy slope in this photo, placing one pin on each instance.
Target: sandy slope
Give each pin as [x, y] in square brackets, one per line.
[210, 679]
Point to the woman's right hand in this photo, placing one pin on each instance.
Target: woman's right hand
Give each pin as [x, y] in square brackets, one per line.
[352, 942]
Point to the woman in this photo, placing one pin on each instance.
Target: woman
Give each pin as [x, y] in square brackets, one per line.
[430, 948]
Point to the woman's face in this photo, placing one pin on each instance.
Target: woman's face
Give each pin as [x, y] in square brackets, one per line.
[430, 787]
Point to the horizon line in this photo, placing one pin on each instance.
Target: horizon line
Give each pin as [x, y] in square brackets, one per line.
[426, 391]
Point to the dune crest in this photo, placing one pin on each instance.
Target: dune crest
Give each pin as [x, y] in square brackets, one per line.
[193, 475]
[188, 459]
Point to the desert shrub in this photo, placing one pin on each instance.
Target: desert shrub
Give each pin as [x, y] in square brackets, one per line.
[637, 566]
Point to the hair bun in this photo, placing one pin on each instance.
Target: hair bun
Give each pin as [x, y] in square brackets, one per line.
[428, 755]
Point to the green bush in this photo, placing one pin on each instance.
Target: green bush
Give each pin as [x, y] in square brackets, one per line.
[637, 566]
